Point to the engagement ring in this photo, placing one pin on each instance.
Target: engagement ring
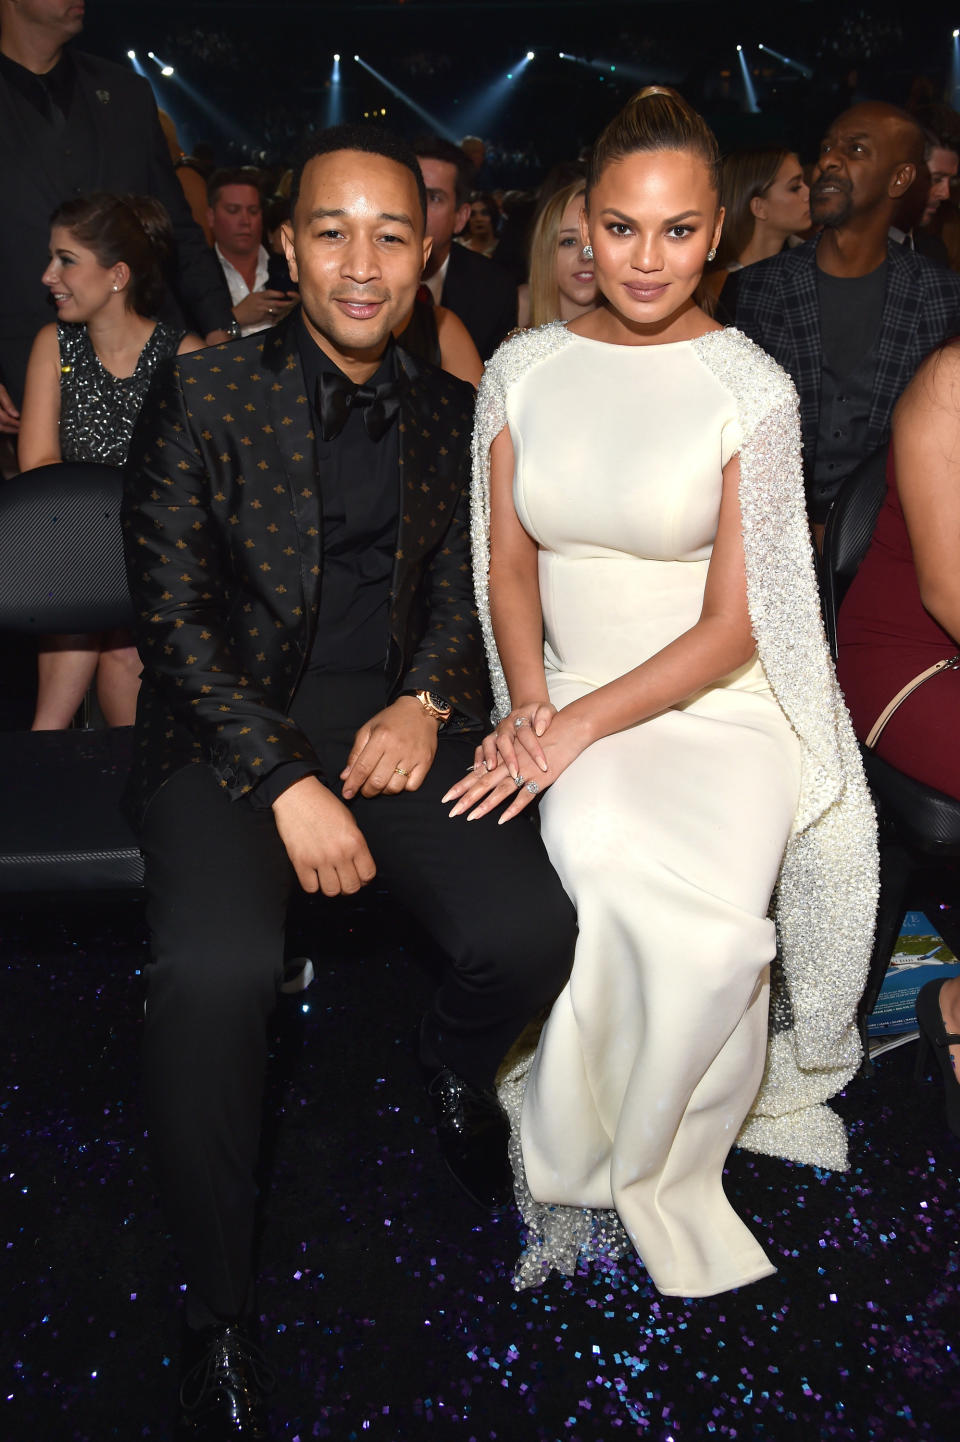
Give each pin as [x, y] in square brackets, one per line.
[520, 721]
[533, 787]
[518, 781]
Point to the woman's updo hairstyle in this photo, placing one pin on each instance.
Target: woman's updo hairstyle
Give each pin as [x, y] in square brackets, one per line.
[134, 229]
[656, 118]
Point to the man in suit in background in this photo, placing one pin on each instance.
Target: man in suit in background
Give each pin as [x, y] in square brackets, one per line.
[296, 523]
[473, 287]
[72, 123]
[851, 313]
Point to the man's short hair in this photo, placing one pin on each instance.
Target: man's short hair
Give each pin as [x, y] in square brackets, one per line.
[434, 147]
[232, 175]
[941, 129]
[368, 138]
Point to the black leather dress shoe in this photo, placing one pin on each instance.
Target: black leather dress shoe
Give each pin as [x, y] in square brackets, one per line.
[473, 1131]
[225, 1382]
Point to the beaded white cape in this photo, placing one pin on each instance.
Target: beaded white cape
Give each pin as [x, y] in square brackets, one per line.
[825, 899]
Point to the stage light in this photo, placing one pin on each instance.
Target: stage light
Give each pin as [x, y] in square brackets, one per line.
[956, 34]
[530, 55]
[750, 94]
[955, 70]
[431, 120]
[785, 60]
[165, 70]
[336, 59]
[131, 55]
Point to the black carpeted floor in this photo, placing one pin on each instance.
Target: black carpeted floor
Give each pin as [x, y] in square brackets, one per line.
[386, 1299]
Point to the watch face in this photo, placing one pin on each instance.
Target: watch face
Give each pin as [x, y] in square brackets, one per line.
[440, 704]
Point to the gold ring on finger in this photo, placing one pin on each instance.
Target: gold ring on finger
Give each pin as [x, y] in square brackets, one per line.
[399, 771]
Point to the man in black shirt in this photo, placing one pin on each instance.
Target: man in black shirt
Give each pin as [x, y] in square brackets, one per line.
[71, 123]
[850, 314]
[296, 522]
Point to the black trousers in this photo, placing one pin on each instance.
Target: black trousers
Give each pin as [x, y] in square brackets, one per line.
[218, 882]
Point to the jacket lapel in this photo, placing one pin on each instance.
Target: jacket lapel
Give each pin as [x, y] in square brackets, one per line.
[420, 516]
[802, 313]
[287, 427]
[902, 304]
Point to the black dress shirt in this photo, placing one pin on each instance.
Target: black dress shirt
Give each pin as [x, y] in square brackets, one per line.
[359, 488]
[59, 119]
[358, 485]
[851, 311]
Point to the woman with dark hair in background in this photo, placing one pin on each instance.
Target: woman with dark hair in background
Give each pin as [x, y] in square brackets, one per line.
[765, 200]
[562, 283]
[481, 232]
[86, 381]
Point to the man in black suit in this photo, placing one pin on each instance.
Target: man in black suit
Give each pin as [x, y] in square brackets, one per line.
[473, 287]
[296, 523]
[71, 123]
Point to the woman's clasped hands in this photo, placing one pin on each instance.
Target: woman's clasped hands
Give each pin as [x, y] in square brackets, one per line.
[527, 751]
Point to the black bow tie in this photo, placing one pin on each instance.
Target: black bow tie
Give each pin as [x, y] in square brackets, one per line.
[337, 397]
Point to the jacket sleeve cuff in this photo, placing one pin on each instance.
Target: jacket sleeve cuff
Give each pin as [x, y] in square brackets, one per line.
[280, 779]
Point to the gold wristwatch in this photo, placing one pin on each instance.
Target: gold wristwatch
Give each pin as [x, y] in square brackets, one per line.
[436, 706]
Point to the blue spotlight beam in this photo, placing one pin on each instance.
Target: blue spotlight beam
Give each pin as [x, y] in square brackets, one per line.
[804, 70]
[955, 71]
[335, 98]
[750, 95]
[431, 120]
[227, 124]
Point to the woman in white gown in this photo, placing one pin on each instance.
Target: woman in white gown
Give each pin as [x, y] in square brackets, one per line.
[666, 694]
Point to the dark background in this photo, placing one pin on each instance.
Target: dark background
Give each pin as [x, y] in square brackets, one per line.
[253, 74]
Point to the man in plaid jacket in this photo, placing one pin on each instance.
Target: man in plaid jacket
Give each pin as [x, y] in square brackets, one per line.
[850, 314]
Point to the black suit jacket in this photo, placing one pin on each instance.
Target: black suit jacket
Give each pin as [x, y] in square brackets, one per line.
[777, 305]
[223, 535]
[130, 155]
[482, 295]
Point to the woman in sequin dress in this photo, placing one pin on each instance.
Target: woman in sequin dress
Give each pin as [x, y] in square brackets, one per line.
[667, 697]
[86, 381]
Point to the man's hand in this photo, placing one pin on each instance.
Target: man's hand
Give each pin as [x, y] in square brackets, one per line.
[9, 415]
[393, 752]
[265, 305]
[325, 845]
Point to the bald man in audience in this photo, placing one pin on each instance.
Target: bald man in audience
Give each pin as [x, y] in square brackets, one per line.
[850, 314]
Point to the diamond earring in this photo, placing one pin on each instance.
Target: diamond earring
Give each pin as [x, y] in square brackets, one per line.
[712, 253]
[587, 252]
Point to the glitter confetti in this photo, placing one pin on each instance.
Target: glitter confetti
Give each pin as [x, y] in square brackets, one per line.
[385, 1300]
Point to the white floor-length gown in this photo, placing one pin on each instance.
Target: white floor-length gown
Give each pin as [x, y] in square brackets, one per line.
[668, 836]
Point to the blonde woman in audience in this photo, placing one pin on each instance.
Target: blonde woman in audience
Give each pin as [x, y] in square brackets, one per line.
[562, 283]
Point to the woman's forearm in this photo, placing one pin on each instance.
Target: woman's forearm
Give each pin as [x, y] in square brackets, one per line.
[701, 657]
[518, 631]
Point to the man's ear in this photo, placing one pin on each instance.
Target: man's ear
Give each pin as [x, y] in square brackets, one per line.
[427, 248]
[461, 218]
[903, 178]
[289, 250]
